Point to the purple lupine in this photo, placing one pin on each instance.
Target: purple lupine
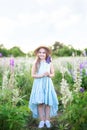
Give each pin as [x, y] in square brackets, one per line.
[81, 89]
[81, 65]
[11, 62]
[0, 54]
[48, 59]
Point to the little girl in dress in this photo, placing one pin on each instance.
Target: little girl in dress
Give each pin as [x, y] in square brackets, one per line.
[43, 99]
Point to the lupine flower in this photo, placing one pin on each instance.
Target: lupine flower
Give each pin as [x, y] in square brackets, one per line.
[5, 79]
[77, 80]
[81, 89]
[11, 62]
[66, 93]
[81, 65]
[0, 54]
[48, 59]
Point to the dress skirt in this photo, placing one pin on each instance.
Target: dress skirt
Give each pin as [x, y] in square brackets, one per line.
[43, 92]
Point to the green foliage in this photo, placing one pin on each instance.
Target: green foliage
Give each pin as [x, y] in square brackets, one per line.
[4, 51]
[57, 45]
[24, 83]
[69, 79]
[75, 114]
[5, 96]
[15, 51]
[65, 51]
[78, 52]
[59, 49]
[57, 78]
[12, 117]
[85, 50]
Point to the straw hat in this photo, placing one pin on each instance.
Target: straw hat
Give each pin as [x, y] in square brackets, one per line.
[37, 49]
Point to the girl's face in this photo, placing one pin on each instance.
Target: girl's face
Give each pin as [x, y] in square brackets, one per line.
[42, 54]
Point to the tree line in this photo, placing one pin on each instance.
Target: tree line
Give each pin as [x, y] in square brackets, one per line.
[58, 49]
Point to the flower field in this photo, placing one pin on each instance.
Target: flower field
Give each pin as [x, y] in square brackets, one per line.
[70, 83]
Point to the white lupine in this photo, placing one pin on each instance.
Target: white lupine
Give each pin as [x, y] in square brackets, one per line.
[15, 92]
[66, 93]
[9, 83]
[63, 70]
[5, 79]
[77, 77]
[15, 96]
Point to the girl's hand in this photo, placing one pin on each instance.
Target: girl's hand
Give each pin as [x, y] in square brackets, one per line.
[46, 74]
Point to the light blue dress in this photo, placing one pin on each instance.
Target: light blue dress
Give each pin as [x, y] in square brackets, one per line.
[43, 92]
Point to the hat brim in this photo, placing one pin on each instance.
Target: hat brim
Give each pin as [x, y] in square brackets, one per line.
[37, 49]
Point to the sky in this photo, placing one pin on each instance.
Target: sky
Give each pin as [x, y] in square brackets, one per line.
[30, 23]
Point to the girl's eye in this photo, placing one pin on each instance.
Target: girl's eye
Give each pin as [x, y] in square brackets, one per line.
[42, 52]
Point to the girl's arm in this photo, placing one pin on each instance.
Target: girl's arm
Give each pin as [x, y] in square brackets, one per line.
[51, 71]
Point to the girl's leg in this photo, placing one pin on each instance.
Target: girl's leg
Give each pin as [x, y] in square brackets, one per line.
[41, 115]
[47, 116]
[40, 110]
[47, 112]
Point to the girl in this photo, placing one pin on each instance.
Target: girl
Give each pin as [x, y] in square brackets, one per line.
[43, 99]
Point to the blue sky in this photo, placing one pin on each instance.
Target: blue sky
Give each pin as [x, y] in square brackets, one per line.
[30, 23]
